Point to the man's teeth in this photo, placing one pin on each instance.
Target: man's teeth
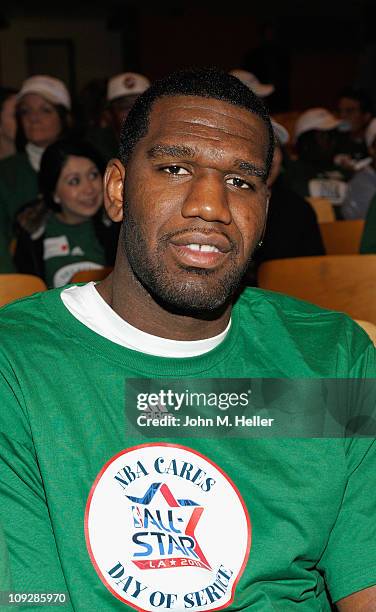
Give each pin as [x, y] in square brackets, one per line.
[205, 248]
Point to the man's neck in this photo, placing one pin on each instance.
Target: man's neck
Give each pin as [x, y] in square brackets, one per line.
[131, 301]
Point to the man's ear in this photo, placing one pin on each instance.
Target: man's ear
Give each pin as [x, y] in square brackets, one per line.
[113, 189]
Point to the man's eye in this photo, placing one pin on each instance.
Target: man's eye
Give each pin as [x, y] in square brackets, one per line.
[237, 182]
[175, 170]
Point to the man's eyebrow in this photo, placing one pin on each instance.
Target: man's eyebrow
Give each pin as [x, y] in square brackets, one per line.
[249, 168]
[178, 151]
[183, 151]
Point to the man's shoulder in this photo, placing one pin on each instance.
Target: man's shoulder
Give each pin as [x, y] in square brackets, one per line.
[20, 318]
[277, 310]
[302, 339]
[289, 304]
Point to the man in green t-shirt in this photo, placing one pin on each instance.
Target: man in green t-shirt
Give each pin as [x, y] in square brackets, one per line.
[111, 514]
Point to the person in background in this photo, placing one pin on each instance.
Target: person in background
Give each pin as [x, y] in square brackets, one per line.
[355, 110]
[291, 228]
[313, 173]
[262, 90]
[66, 229]
[43, 115]
[362, 186]
[368, 241]
[8, 124]
[122, 92]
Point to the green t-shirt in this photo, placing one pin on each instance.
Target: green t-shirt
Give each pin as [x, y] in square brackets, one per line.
[5, 582]
[194, 523]
[67, 249]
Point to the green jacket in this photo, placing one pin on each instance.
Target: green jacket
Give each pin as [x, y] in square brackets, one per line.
[18, 185]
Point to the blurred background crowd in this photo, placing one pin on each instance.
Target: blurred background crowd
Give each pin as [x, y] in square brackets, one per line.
[70, 74]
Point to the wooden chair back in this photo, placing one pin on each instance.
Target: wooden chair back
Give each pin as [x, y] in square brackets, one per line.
[323, 208]
[339, 282]
[85, 276]
[14, 286]
[342, 237]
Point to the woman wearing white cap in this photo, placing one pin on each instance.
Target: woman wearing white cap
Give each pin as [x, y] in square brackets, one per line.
[43, 107]
[362, 187]
[314, 172]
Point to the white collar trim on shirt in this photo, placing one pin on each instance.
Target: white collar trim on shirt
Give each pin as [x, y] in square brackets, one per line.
[34, 154]
[88, 306]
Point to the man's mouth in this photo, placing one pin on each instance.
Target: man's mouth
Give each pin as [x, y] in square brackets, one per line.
[200, 250]
[206, 248]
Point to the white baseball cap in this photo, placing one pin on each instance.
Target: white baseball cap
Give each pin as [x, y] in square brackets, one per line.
[48, 87]
[280, 132]
[252, 82]
[370, 134]
[126, 84]
[315, 119]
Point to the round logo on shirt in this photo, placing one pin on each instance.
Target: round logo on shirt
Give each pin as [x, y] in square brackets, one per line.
[166, 529]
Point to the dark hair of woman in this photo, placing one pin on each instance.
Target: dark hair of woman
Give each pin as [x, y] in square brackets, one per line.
[53, 161]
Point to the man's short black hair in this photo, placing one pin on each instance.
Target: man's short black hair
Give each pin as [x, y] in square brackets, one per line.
[360, 95]
[204, 82]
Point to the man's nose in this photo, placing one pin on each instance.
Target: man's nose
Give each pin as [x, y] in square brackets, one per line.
[208, 199]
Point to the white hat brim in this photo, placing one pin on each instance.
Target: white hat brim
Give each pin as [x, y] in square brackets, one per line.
[330, 124]
[43, 93]
[262, 90]
[280, 132]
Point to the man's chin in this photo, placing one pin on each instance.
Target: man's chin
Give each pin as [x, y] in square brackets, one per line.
[184, 290]
[193, 297]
